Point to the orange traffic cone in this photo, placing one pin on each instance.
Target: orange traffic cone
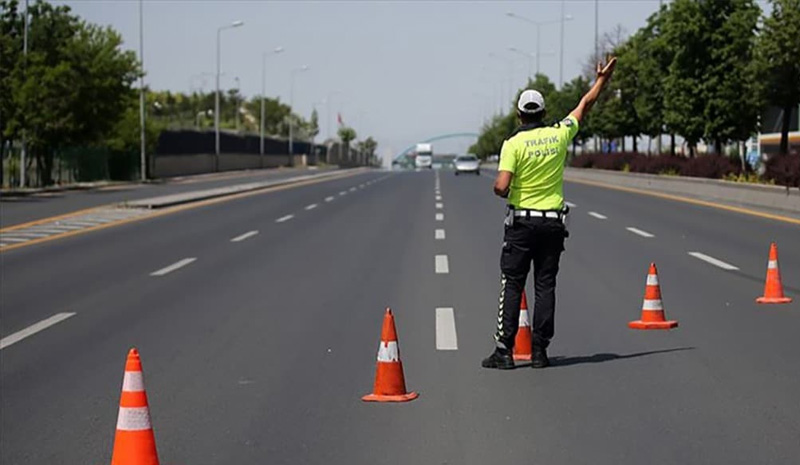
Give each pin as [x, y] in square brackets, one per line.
[390, 384]
[652, 308]
[773, 289]
[134, 443]
[523, 343]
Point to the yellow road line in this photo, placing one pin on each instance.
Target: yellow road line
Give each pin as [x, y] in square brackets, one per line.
[166, 211]
[678, 198]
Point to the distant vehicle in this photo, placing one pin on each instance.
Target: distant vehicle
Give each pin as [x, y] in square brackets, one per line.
[468, 164]
[424, 158]
[493, 158]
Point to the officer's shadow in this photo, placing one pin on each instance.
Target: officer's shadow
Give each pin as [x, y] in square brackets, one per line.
[561, 361]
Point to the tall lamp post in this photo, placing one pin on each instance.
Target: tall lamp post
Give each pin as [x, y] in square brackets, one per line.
[264, 56]
[216, 98]
[539, 25]
[142, 136]
[291, 109]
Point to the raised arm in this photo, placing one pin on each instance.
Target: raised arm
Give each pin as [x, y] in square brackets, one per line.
[603, 76]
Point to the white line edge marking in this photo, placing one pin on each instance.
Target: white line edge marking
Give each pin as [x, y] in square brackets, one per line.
[34, 328]
[439, 234]
[244, 236]
[440, 217]
[329, 199]
[284, 218]
[175, 266]
[442, 264]
[598, 216]
[311, 207]
[446, 336]
[639, 232]
[713, 261]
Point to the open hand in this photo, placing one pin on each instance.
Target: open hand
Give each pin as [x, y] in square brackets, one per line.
[607, 70]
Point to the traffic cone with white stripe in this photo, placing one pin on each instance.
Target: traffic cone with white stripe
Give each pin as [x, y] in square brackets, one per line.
[134, 442]
[773, 288]
[390, 384]
[652, 308]
[523, 343]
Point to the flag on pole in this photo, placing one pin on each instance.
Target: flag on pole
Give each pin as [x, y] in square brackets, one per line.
[339, 119]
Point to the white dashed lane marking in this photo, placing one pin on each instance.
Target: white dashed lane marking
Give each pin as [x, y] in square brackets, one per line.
[570, 204]
[311, 207]
[598, 216]
[284, 218]
[446, 337]
[244, 236]
[714, 261]
[352, 189]
[439, 234]
[439, 206]
[343, 193]
[34, 328]
[175, 266]
[440, 217]
[639, 232]
[438, 197]
[442, 265]
[329, 199]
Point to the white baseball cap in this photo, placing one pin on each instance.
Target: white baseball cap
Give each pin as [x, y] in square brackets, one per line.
[530, 102]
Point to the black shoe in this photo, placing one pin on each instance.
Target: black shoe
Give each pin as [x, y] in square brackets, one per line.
[499, 360]
[539, 358]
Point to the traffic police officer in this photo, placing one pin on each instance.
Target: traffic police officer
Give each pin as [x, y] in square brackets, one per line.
[531, 177]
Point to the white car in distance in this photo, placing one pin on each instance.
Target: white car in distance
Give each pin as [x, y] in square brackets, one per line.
[467, 164]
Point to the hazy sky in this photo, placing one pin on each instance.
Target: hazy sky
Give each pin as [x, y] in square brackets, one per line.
[404, 70]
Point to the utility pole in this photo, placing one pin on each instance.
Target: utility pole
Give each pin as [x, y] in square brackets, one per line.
[142, 135]
[23, 152]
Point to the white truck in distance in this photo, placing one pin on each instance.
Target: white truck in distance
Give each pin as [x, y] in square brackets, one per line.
[424, 158]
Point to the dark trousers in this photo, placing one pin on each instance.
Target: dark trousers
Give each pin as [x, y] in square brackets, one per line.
[537, 240]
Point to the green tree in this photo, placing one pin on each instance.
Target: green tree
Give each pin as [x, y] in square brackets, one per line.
[651, 67]
[779, 61]
[684, 102]
[732, 105]
[313, 124]
[74, 87]
[347, 135]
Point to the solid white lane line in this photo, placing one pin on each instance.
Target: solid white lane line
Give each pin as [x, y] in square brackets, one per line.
[439, 205]
[446, 337]
[713, 261]
[329, 199]
[34, 328]
[439, 234]
[32, 235]
[311, 207]
[640, 232]
[284, 218]
[442, 265]
[173, 267]
[570, 204]
[244, 236]
[598, 215]
[440, 217]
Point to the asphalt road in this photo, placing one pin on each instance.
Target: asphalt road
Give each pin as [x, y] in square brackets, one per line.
[17, 210]
[259, 350]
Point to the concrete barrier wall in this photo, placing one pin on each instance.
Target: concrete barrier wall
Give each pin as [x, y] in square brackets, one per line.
[165, 166]
[743, 194]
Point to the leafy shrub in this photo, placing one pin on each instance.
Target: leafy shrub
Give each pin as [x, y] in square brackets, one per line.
[704, 166]
[784, 170]
[710, 166]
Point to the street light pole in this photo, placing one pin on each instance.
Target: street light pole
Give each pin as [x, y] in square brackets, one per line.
[264, 90]
[142, 134]
[510, 78]
[538, 25]
[236, 104]
[23, 152]
[216, 95]
[561, 50]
